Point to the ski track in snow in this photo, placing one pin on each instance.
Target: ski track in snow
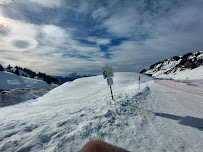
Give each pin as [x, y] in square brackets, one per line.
[150, 119]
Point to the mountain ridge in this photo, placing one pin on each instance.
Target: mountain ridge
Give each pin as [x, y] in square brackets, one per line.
[178, 67]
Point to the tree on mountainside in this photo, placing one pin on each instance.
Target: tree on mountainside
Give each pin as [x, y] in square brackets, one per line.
[17, 72]
[1, 68]
[143, 71]
[29, 73]
[9, 67]
[176, 58]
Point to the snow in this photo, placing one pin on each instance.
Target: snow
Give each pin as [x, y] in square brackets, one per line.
[169, 69]
[200, 56]
[9, 81]
[153, 118]
[161, 68]
[19, 95]
[191, 74]
[14, 69]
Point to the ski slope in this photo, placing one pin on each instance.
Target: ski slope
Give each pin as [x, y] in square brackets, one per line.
[153, 118]
[9, 81]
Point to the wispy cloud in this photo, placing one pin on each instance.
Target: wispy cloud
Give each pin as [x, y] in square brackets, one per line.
[48, 3]
[5, 2]
[99, 41]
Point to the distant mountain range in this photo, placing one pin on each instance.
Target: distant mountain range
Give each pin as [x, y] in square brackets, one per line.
[188, 66]
[71, 77]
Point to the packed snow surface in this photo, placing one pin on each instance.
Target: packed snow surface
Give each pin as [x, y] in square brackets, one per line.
[9, 81]
[152, 118]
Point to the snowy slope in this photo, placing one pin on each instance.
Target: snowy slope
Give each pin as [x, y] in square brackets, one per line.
[14, 69]
[9, 81]
[190, 74]
[76, 112]
[189, 65]
[163, 67]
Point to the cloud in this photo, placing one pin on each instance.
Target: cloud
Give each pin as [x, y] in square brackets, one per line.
[48, 3]
[133, 18]
[5, 2]
[21, 34]
[122, 26]
[57, 38]
[99, 41]
[82, 36]
[42, 46]
[54, 34]
[4, 30]
[163, 30]
[21, 44]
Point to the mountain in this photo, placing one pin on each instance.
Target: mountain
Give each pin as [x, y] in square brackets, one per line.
[188, 66]
[15, 88]
[29, 73]
[42, 76]
[152, 118]
[9, 81]
[71, 77]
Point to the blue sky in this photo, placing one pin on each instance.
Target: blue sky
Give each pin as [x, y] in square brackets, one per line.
[64, 36]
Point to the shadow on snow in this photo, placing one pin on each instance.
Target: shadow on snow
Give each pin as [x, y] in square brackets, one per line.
[188, 121]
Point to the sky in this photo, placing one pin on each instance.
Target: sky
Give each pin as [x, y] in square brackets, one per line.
[64, 36]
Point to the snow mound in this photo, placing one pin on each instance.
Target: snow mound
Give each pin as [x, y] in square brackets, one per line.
[9, 81]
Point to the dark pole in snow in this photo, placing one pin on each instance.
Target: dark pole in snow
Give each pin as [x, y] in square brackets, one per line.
[111, 93]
